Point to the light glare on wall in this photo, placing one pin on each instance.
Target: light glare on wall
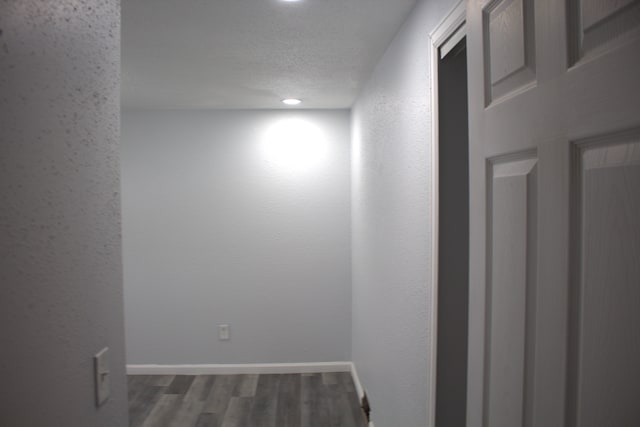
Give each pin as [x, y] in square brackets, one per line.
[294, 145]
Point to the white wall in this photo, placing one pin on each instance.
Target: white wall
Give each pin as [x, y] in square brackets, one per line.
[60, 256]
[215, 232]
[392, 223]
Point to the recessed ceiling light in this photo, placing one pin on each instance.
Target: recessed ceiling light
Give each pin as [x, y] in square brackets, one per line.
[291, 101]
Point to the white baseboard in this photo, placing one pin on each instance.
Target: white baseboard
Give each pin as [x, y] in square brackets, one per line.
[356, 381]
[358, 385]
[249, 368]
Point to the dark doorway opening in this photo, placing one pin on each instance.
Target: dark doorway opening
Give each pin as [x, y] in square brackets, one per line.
[453, 238]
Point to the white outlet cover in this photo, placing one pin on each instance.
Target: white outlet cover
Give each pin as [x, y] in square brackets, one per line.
[223, 332]
[102, 376]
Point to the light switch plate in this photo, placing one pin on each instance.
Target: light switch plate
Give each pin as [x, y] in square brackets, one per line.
[102, 376]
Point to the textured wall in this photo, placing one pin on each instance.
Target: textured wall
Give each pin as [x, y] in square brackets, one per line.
[392, 200]
[215, 232]
[60, 257]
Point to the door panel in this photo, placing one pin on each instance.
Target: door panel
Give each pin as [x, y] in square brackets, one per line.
[511, 291]
[604, 372]
[596, 25]
[509, 56]
[551, 345]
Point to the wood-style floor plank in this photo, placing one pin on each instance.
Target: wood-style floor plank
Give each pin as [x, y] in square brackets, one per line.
[207, 420]
[135, 386]
[288, 412]
[188, 413]
[289, 400]
[143, 404]
[200, 388]
[339, 408]
[329, 378]
[237, 412]
[163, 412]
[315, 402]
[220, 394]
[180, 384]
[246, 386]
[161, 380]
[263, 409]
[345, 379]
[356, 410]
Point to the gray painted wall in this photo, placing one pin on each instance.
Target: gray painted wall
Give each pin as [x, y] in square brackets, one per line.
[215, 233]
[392, 226]
[60, 256]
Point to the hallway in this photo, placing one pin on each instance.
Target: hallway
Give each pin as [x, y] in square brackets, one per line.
[166, 209]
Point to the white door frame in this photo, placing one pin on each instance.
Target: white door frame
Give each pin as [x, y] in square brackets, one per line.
[453, 26]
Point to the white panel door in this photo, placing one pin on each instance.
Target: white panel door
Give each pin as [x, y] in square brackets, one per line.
[554, 111]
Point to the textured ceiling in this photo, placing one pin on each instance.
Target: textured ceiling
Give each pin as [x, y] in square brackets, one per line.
[252, 53]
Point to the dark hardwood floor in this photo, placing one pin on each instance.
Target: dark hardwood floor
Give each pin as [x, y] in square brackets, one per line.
[289, 400]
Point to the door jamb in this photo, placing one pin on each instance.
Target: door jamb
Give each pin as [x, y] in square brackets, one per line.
[452, 24]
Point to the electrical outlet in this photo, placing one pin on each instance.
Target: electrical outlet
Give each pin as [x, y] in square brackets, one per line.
[102, 376]
[223, 332]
